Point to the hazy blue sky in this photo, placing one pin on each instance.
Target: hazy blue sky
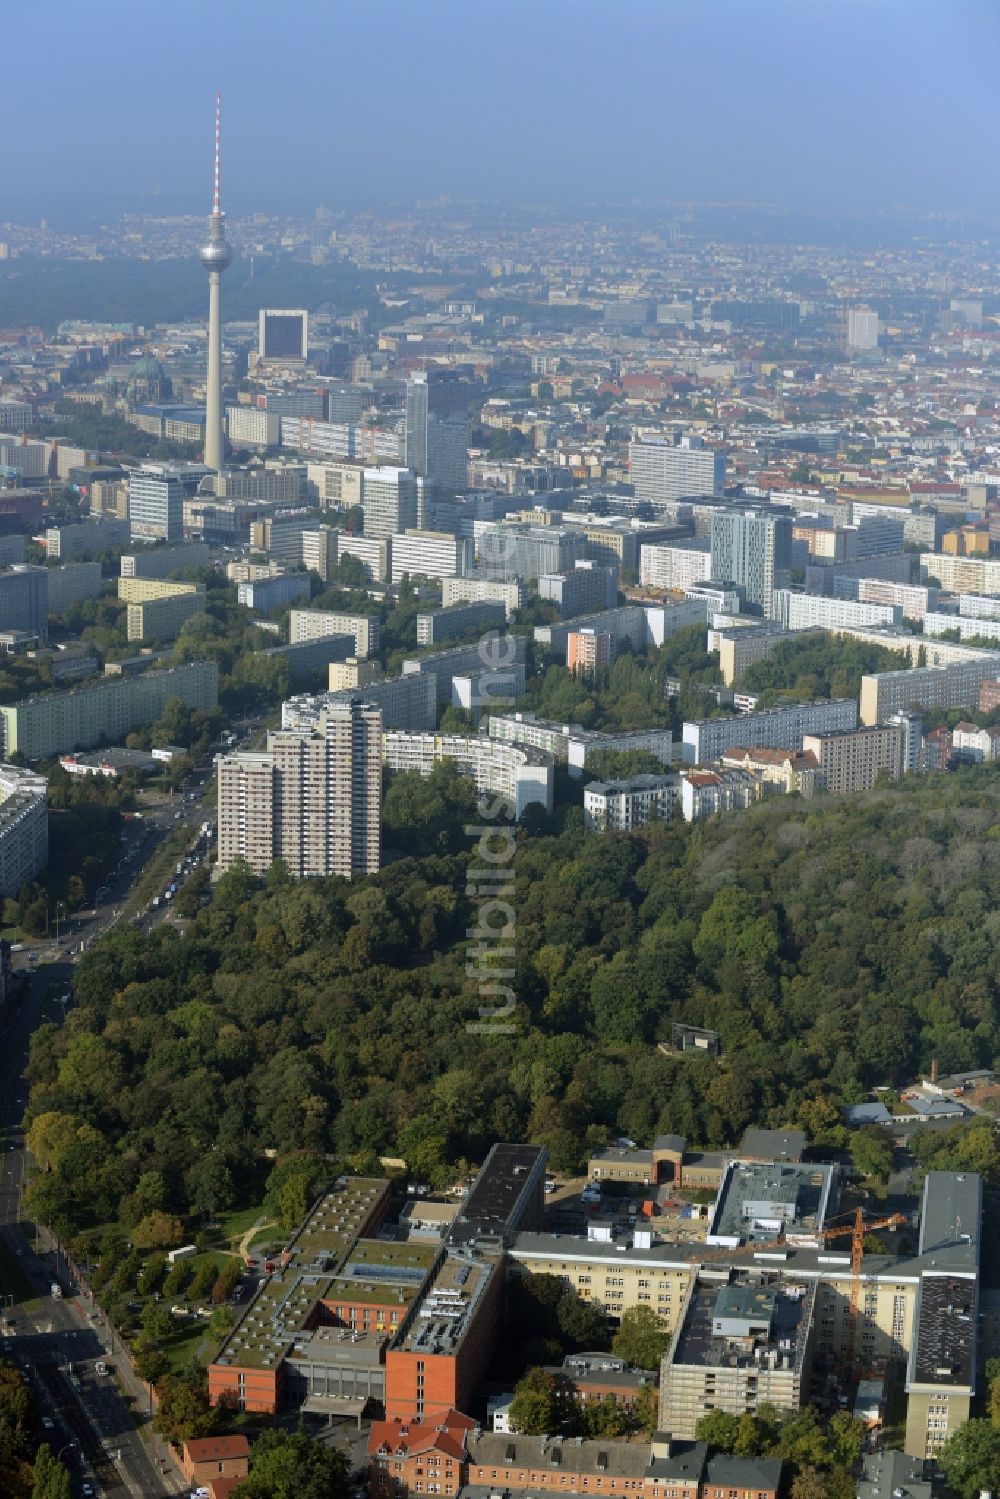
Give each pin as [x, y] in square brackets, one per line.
[830, 104]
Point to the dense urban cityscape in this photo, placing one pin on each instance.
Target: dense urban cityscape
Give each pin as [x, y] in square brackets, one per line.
[499, 758]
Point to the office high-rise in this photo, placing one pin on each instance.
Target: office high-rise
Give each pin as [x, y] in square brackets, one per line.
[753, 549]
[215, 256]
[862, 328]
[312, 799]
[437, 428]
[24, 600]
[390, 500]
[283, 334]
[661, 472]
[156, 495]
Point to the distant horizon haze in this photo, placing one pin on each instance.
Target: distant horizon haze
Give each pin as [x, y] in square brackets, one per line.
[822, 106]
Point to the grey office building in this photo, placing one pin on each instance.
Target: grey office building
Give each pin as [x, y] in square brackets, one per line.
[391, 500]
[662, 472]
[24, 600]
[513, 551]
[496, 651]
[456, 620]
[583, 589]
[156, 502]
[437, 427]
[705, 739]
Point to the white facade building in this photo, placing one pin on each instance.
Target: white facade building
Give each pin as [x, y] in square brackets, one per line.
[804, 611]
[632, 803]
[862, 328]
[707, 793]
[664, 565]
[249, 426]
[313, 624]
[972, 743]
[523, 776]
[574, 746]
[969, 627]
[662, 472]
[435, 554]
[775, 728]
[476, 590]
[24, 828]
[311, 799]
[913, 598]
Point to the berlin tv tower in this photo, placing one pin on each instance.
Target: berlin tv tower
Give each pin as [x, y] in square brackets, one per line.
[215, 257]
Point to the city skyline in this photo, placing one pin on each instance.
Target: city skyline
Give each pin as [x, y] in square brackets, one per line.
[761, 118]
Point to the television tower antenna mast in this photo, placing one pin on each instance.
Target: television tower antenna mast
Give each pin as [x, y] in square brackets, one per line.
[215, 256]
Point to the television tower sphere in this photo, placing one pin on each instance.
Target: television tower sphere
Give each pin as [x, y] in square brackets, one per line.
[216, 255]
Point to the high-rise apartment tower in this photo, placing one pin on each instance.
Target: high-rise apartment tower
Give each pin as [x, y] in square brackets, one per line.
[312, 799]
[753, 548]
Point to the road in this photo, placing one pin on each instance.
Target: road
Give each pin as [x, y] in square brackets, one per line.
[161, 816]
[45, 1336]
[57, 1342]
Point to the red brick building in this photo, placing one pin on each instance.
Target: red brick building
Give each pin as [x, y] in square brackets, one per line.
[249, 1371]
[349, 1319]
[415, 1456]
[205, 1459]
[443, 1353]
[593, 1377]
[419, 1458]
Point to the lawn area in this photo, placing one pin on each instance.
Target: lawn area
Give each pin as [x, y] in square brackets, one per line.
[234, 1225]
[12, 1277]
[272, 1236]
[215, 1257]
[184, 1344]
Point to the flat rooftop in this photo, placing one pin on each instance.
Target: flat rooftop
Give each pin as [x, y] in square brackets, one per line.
[888, 1474]
[284, 1302]
[943, 1351]
[745, 1302]
[446, 1305]
[616, 1155]
[382, 1273]
[697, 1344]
[497, 1198]
[339, 1347]
[772, 1144]
[335, 1222]
[760, 1201]
[389, 1260]
[951, 1213]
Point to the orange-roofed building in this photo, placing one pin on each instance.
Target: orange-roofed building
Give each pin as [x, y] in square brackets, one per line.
[418, 1456]
[222, 1488]
[205, 1459]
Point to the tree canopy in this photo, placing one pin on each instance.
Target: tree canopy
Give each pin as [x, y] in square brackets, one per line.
[970, 1458]
[289, 1465]
[833, 946]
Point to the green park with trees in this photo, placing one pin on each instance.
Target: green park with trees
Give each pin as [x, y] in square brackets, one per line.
[834, 947]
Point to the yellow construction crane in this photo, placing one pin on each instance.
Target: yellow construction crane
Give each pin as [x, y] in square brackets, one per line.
[857, 1229]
